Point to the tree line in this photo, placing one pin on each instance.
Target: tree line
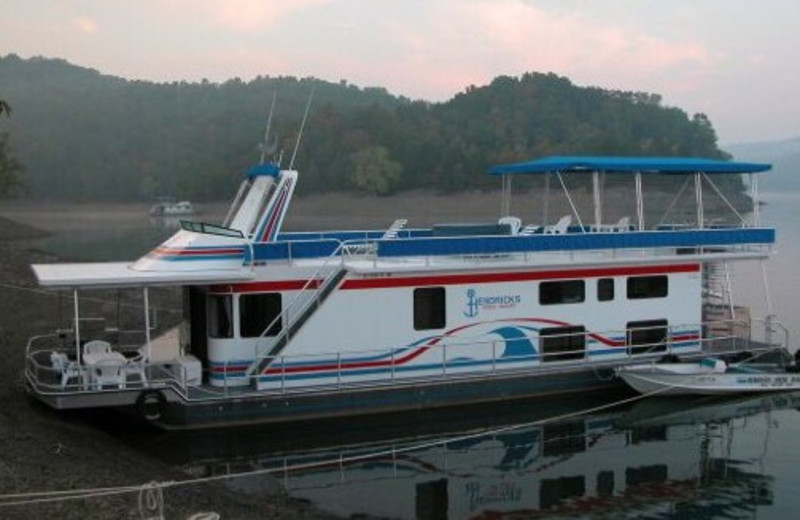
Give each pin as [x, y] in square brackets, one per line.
[82, 135]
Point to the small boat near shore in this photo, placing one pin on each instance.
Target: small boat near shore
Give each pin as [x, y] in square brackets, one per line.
[277, 326]
[172, 209]
[711, 376]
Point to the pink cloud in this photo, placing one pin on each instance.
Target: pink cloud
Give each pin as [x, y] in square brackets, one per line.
[250, 15]
[459, 43]
[84, 24]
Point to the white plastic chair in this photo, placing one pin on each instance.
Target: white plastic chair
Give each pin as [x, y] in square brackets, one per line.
[529, 229]
[623, 224]
[514, 223]
[68, 369]
[108, 372]
[97, 346]
[395, 228]
[560, 227]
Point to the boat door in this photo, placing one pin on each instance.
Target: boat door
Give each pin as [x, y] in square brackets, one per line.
[194, 313]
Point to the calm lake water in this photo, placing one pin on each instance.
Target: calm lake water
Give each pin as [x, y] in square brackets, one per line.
[655, 458]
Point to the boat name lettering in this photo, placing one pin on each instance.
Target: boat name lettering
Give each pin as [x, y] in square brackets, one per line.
[476, 303]
[769, 381]
[481, 495]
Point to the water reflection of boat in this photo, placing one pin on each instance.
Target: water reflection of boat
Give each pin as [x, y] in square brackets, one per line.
[668, 411]
[624, 460]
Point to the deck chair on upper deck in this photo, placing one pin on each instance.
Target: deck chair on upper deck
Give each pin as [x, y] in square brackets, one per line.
[514, 224]
[394, 229]
[560, 227]
[529, 229]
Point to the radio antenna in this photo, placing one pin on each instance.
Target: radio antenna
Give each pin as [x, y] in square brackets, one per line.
[302, 126]
[267, 147]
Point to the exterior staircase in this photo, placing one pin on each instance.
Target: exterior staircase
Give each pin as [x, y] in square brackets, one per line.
[280, 341]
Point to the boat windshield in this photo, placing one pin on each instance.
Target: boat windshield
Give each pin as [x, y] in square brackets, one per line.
[210, 229]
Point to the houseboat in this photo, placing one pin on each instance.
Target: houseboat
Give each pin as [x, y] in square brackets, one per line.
[283, 326]
[172, 209]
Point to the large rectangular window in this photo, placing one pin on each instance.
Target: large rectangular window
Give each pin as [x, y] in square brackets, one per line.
[257, 312]
[562, 343]
[647, 336]
[568, 291]
[429, 308]
[220, 316]
[640, 287]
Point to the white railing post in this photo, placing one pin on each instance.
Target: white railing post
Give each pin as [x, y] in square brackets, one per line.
[339, 370]
[283, 374]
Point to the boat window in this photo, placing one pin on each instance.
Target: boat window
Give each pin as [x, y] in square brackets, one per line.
[641, 287]
[556, 492]
[605, 289]
[647, 336]
[220, 316]
[562, 343]
[429, 308]
[568, 291]
[210, 229]
[257, 312]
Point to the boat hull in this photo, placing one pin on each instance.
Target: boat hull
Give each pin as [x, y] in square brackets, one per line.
[372, 401]
[660, 382]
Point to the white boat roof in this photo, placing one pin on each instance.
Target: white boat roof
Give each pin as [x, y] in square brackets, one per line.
[120, 274]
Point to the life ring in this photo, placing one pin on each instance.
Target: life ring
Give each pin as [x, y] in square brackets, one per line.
[151, 404]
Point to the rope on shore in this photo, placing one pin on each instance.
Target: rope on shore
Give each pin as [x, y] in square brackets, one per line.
[21, 499]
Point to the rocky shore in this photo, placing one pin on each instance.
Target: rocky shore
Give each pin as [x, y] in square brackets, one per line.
[46, 451]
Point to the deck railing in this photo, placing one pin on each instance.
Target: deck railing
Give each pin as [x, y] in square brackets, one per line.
[446, 363]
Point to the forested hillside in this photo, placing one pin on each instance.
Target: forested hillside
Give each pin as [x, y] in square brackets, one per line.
[85, 135]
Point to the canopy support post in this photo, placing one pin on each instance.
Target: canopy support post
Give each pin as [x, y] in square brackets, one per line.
[146, 295]
[639, 201]
[756, 202]
[77, 326]
[546, 205]
[698, 194]
[598, 203]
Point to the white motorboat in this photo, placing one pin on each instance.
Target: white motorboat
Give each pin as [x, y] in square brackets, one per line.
[710, 376]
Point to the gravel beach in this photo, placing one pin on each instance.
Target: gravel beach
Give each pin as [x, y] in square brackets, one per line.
[46, 451]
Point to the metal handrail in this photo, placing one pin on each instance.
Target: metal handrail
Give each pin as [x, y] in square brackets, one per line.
[309, 283]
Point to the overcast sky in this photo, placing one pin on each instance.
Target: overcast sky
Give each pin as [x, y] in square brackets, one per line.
[735, 60]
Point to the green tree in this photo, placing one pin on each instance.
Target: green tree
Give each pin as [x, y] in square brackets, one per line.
[375, 171]
[10, 168]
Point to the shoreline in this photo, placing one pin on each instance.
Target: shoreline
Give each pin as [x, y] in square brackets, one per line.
[49, 451]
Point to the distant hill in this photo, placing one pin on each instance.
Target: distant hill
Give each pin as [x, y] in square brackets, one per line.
[784, 155]
[86, 135]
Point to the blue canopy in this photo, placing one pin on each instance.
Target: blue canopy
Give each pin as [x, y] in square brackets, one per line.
[668, 165]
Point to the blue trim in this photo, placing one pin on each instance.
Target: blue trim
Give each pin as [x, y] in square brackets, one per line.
[423, 244]
[258, 170]
[663, 165]
[574, 242]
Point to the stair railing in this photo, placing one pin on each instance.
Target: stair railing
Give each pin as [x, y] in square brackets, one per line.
[310, 284]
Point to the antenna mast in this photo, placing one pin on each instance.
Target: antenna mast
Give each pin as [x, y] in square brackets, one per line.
[265, 146]
[302, 126]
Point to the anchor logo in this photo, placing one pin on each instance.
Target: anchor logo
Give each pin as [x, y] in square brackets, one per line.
[472, 304]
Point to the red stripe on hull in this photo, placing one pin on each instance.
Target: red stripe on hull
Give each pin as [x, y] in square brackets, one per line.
[561, 274]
